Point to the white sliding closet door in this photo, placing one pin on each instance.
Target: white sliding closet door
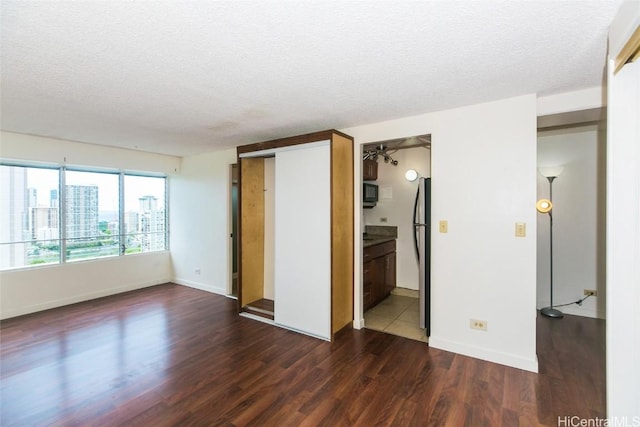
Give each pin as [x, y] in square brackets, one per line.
[303, 239]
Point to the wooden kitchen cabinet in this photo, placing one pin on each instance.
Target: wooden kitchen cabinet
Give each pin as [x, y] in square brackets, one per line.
[389, 272]
[379, 272]
[369, 170]
[371, 274]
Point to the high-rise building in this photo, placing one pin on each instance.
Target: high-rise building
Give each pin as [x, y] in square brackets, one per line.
[14, 216]
[32, 196]
[148, 203]
[53, 198]
[151, 224]
[130, 222]
[81, 211]
[44, 223]
[32, 203]
[41, 221]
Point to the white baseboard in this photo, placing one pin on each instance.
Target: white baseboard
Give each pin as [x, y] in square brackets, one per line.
[485, 354]
[358, 324]
[201, 286]
[79, 298]
[406, 292]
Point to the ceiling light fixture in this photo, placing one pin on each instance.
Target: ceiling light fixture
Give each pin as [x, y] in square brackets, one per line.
[411, 175]
[379, 152]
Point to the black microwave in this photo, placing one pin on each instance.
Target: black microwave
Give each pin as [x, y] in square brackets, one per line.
[369, 193]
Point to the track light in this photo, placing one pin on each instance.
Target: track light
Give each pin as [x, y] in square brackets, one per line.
[379, 151]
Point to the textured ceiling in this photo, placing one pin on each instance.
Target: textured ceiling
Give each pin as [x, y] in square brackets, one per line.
[179, 77]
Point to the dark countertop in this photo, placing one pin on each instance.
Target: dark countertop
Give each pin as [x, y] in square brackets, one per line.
[372, 240]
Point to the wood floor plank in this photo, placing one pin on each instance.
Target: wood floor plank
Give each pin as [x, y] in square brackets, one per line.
[172, 355]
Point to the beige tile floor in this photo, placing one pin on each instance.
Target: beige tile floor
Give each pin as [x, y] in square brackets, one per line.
[397, 315]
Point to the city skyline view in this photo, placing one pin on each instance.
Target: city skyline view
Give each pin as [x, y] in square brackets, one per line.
[44, 180]
[91, 223]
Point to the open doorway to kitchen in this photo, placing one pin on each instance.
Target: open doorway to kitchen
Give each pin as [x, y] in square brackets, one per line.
[395, 236]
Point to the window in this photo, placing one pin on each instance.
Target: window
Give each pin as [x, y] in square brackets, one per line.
[91, 215]
[54, 215]
[29, 217]
[144, 214]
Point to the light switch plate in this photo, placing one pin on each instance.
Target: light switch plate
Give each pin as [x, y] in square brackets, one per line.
[444, 226]
[521, 229]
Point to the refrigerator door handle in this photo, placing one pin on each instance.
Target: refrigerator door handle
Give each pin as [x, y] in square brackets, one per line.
[416, 225]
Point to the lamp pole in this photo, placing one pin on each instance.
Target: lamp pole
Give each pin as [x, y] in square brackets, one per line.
[550, 311]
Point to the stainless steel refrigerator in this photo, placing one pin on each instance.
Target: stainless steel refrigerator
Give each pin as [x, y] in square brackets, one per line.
[422, 240]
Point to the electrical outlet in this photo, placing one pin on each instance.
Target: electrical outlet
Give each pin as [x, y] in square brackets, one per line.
[444, 226]
[591, 292]
[480, 325]
[521, 229]
[197, 271]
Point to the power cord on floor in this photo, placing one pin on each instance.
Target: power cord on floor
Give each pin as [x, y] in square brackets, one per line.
[579, 302]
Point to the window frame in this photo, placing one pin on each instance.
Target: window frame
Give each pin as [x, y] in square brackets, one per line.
[63, 219]
[34, 165]
[62, 239]
[165, 207]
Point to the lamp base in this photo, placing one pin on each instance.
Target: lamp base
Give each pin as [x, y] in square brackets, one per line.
[552, 312]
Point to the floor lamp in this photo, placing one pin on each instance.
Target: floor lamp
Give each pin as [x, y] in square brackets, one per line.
[546, 206]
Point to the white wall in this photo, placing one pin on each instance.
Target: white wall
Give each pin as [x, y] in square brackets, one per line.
[200, 218]
[483, 168]
[39, 288]
[578, 219]
[584, 99]
[399, 208]
[18, 146]
[623, 223]
[28, 290]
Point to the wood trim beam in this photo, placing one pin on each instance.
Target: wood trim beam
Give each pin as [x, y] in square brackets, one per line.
[341, 232]
[294, 140]
[629, 52]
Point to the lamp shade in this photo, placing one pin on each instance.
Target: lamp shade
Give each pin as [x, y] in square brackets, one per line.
[411, 175]
[549, 171]
[544, 206]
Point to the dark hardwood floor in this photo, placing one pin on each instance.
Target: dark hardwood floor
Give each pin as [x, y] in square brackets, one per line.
[171, 355]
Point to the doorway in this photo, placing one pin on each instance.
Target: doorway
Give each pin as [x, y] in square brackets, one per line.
[574, 151]
[391, 285]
